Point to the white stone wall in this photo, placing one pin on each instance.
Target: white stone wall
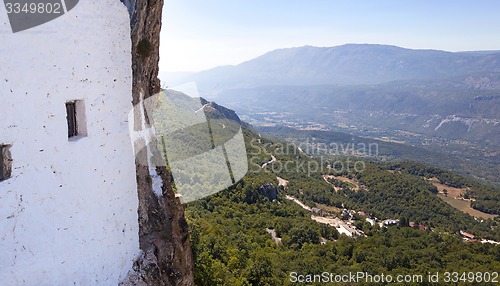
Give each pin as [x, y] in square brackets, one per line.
[68, 215]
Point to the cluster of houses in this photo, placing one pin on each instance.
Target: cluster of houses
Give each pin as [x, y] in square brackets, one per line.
[344, 222]
[350, 230]
[419, 226]
[471, 238]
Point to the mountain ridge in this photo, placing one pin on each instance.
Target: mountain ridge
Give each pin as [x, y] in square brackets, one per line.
[429, 98]
[345, 65]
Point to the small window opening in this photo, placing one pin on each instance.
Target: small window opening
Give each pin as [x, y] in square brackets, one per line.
[5, 162]
[75, 115]
[71, 117]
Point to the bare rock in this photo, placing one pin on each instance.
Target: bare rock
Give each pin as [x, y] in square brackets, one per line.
[163, 231]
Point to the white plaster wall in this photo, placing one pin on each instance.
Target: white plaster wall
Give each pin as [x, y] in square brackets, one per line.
[68, 215]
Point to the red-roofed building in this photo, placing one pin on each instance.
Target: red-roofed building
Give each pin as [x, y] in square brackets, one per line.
[466, 235]
[420, 226]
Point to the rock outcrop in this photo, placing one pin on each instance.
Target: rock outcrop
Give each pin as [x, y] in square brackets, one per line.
[269, 191]
[163, 230]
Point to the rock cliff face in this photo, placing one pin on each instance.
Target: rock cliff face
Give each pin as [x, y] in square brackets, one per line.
[163, 230]
[269, 191]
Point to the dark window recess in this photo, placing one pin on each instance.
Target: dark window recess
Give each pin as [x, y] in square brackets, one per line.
[71, 118]
[5, 162]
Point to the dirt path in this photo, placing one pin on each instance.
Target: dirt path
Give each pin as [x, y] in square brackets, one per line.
[273, 159]
[336, 222]
[356, 185]
[325, 177]
[272, 232]
[298, 202]
[341, 227]
[282, 182]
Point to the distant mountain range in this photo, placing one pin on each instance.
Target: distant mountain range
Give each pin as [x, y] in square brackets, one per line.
[351, 64]
[434, 99]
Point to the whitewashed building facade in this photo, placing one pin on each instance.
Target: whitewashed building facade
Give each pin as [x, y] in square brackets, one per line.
[68, 191]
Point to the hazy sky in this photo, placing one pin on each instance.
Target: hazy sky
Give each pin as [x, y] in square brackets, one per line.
[201, 34]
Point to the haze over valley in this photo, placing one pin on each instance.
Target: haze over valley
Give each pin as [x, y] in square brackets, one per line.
[442, 101]
[362, 158]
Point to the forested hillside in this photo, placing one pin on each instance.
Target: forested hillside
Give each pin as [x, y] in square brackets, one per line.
[246, 236]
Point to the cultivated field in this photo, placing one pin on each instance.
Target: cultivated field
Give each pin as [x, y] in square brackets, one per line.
[455, 198]
[351, 183]
[452, 192]
[464, 206]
